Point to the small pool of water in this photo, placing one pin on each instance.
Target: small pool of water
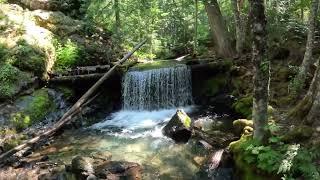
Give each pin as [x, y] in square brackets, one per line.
[133, 136]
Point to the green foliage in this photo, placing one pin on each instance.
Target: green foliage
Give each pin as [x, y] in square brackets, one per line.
[68, 54]
[276, 157]
[3, 52]
[243, 106]
[9, 76]
[168, 25]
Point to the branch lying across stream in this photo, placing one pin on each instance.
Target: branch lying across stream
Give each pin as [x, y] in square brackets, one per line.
[72, 112]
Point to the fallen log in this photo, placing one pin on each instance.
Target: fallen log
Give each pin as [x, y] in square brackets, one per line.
[76, 77]
[75, 109]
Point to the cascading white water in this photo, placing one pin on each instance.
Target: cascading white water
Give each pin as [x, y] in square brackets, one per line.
[156, 89]
[150, 98]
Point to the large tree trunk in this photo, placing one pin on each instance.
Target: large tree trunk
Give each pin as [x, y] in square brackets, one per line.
[239, 24]
[304, 69]
[261, 69]
[307, 110]
[218, 28]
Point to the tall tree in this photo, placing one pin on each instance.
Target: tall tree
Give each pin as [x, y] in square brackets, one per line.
[239, 24]
[195, 41]
[261, 68]
[117, 16]
[307, 109]
[304, 68]
[218, 28]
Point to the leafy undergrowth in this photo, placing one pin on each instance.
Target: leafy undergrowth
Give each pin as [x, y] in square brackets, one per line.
[275, 158]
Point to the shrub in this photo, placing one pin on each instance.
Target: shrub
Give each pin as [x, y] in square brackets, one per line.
[67, 54]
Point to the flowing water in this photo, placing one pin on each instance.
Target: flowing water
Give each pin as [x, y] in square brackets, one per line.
[150, 99]
[157, 88]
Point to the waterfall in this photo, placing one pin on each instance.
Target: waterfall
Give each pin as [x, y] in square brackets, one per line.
[155, 89]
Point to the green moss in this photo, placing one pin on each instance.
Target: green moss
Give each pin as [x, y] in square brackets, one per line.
[155, 65]
[214, 85]
[29, 58]
[186, 120]
[11, 79]
[35, 109]
[243, 106]
[240, 124]
[298, 134]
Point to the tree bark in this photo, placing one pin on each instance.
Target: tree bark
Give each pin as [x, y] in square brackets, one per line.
[117, 16]
[307, 110]
[304, 68]
[239, 24]
[76, 108]
[261, 69]
[195, 43]
[218, 28]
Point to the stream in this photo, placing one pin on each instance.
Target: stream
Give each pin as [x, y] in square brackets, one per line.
[134, 134]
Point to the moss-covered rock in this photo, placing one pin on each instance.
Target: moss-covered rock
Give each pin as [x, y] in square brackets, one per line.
[9, 139]
[29, 58]
[33, 109]
[155, 65]
[178, 128]
[243, 106]
[298, 134]
[12, 80]
[242, 126]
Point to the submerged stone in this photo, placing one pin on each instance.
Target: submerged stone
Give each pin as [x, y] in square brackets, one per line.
[119, 170]
[179, 127]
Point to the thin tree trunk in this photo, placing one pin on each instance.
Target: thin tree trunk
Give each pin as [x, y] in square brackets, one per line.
[74, 110]
[117, 16]
[261, 69]
[304, 68]
[239, 24]
[218, 28]
[195, 41]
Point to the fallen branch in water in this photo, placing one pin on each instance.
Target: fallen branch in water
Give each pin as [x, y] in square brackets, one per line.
[72, 112]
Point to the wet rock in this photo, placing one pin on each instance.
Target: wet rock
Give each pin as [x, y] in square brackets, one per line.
[82, 167]
[115, 170]
[179, 127]
[199, 160]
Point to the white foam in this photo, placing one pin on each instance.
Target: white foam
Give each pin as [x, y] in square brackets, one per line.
[135, 124]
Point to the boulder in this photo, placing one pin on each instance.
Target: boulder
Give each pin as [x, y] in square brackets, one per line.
[179, 127]
[242, 125]
[82, 167]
